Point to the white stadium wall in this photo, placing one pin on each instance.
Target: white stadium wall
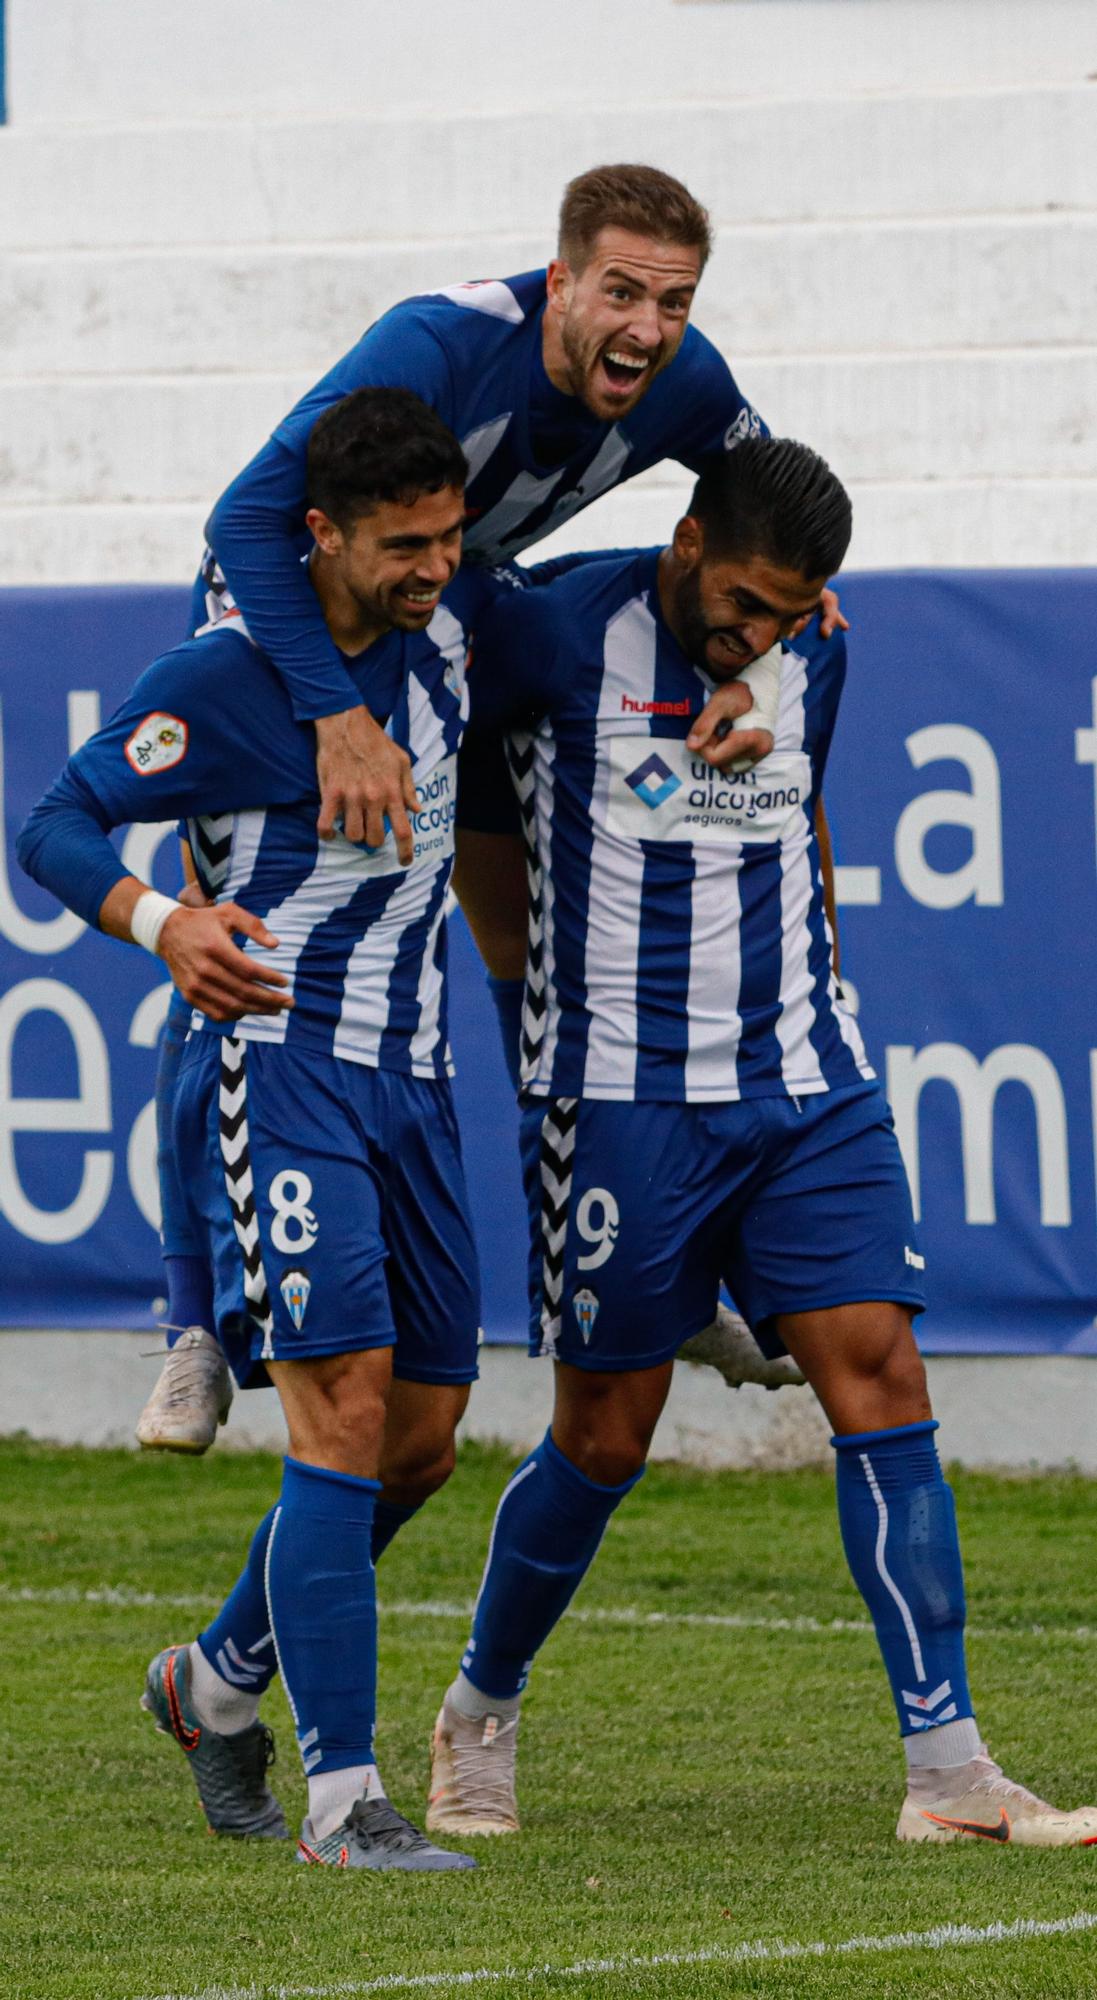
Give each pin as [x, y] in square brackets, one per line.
[199, 211]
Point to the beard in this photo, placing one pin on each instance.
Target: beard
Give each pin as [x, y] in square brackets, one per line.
[696, 632]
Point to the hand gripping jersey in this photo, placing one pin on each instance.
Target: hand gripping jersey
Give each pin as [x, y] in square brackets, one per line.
[536, 457]
[679, 948]
[208, 737]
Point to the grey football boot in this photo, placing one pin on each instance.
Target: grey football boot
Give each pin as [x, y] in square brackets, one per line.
[192, 1396]
[374, 1835]
[229, 1771]
[729, 1346]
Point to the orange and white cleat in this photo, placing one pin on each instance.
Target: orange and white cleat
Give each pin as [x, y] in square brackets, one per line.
[983, 1804]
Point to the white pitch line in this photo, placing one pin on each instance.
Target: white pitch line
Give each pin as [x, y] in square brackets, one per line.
[942, 1937]
[119, 1596]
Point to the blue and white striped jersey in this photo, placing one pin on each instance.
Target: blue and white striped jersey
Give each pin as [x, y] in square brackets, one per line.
[536, 456]
[679, 947]
[208, 737]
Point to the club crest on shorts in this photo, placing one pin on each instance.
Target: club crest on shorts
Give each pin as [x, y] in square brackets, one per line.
[295, 1288]
[586, 1312]
[156, 744]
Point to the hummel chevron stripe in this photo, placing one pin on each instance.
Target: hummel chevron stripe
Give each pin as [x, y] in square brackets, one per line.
[232, 1108]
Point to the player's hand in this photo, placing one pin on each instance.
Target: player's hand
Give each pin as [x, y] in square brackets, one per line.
[212, 972]
[832, 619]
[193, 897]
[715, 737]
[365, 778]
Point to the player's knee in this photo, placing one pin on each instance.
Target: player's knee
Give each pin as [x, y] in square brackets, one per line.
[891, 1369]
[411, 1474]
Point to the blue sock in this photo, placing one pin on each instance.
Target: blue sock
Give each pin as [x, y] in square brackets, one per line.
[186, 1263]
[190, 1295]
[548, 1525]
[239, 1643]
[899, 1532]
[323, 1612]
[508, 995]
[388, 1519]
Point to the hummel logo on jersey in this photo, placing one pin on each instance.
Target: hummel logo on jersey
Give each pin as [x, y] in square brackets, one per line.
[912, 1258]
[653, 782]
[631, 707]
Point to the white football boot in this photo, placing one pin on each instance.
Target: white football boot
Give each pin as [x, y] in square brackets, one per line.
[976, 1801]
[472, 1773]
[729, 1346]
[192, 1396]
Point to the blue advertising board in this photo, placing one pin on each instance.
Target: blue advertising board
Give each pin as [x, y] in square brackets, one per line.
[962, 793]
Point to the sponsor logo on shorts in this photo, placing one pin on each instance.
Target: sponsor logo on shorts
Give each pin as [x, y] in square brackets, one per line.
[295, 1289]
[586, 1312]
[156, 744]
[653, 782]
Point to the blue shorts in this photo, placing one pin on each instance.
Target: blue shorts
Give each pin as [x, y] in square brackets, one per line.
[331, 1198]
[639, 1211]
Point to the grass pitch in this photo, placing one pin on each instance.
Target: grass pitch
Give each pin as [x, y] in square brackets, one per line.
[688, 1789]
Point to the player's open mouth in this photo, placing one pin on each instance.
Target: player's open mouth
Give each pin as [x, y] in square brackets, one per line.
[420, 600]
[726, 651]
[623, 370]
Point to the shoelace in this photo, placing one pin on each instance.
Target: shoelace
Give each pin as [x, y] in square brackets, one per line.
[482, 1778]
[378, 1820]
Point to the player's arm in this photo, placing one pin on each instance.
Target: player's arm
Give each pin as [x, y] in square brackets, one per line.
[256, 531]
[65, 847]
[826, 869]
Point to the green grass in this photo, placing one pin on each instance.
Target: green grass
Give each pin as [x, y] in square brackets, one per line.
[685, 1788]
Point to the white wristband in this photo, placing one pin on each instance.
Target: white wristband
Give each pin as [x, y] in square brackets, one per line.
[148, 917]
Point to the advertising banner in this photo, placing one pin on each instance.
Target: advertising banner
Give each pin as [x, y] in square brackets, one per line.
[962, 794]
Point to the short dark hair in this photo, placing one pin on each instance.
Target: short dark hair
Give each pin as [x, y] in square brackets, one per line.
[379, 444]
[775, 498]
[642, 199]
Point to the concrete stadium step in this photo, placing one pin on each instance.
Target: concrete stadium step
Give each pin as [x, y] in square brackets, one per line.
[916, 524]
[398, 178]
[1008, 413]
[803, 288]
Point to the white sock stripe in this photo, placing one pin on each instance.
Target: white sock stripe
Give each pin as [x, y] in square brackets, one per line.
[270, 1614]
[885, 1574]
[522, 1473]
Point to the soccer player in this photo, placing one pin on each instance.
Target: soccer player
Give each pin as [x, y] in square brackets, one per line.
[313, 1117]
[699, 1106]
[560, 384]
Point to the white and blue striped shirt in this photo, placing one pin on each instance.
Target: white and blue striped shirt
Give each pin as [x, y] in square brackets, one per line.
[679, 947]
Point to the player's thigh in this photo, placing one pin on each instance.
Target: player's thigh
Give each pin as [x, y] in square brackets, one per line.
[603, 1420]
[828, 1222]
[433, 1270]
[334, 1407]
[863, 1363]
[623, 1259]
[292, 1194]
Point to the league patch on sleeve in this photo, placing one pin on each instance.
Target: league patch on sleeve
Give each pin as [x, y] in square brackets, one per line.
[156, 744]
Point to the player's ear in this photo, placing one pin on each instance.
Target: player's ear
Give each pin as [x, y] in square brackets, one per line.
[560, 280]
[324, 532]
[689, 541]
